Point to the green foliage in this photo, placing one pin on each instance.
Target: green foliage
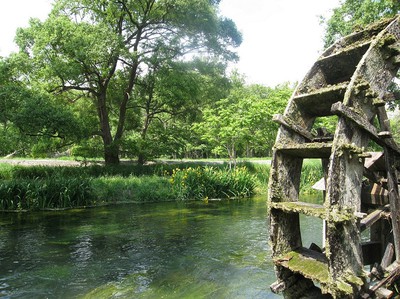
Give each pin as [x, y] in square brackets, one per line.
[242, 123]
[132, 189]
[353, 15]
[95, 51]
[311, 173]
[41, 187]
[327, 122]
[52, 192]
[88, 148]
[208, 182]
[169, 98]
[395, 127]
[29, 117]
[39, 116]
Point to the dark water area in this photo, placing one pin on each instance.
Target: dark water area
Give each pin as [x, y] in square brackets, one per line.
[165, 250]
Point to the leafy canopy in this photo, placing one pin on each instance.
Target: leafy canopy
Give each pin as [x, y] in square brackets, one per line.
[101, 50]
[352, 15]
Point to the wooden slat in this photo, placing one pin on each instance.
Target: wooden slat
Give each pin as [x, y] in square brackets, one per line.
[353, 50]
[307, 150]
[311, 264]
[319, 102]
[388, 256]
[340, 109]
[300, 207]
[372, 218]
[393, 276]
[291, 125]
[393, 198]
[341, 65]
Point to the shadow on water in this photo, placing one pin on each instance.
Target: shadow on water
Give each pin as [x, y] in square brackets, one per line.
[170, 250]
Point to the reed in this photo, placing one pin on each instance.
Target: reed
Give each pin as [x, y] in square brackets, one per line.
[49, 193]
[132, 189]
[45, 187]
[311, 173]
[210, 182]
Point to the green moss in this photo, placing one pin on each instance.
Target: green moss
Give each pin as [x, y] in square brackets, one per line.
[340, 215]
[308, 267]
[343, 287]
[104, 291]
[296, 207]
[354, 280]
[389, 39]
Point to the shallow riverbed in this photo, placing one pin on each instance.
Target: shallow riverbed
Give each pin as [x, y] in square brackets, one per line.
[166, 250]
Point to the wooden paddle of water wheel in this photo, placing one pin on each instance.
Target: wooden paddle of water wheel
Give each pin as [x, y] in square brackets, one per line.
[361, 249]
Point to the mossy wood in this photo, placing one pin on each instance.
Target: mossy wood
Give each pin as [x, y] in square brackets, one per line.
[350, 80]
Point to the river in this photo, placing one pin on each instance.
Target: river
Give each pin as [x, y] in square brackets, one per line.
[217, 249]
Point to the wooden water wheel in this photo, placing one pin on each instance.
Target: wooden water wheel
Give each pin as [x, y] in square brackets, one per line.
[361, 252]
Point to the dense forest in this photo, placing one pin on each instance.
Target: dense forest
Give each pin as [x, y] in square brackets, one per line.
[143, 80]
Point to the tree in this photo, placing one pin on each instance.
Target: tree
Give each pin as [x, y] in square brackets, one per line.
[355, 14]
[171, 96]
[98, 50]
[242, 122]
[29, 114]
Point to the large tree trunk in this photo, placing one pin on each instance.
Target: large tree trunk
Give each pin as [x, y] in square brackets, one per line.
[111, 154]
[142, 151]
[111, 147]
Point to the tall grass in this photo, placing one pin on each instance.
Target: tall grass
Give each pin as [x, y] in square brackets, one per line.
[210, 182]
[45, 187]
[50, 193]
[132, 189]
[311, 173]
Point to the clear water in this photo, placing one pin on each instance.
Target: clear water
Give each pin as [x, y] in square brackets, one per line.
[164, 250]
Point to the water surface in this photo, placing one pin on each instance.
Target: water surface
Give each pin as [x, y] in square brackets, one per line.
[165, 250]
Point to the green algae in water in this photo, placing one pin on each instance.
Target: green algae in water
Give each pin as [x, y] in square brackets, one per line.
[179, 250]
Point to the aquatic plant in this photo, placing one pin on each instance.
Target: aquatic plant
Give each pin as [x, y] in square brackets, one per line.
[132, 189]
[311, 173]
[50, 193]
[209, 182]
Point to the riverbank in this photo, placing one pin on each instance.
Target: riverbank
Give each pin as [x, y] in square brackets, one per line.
[58, 187]
[59, 184]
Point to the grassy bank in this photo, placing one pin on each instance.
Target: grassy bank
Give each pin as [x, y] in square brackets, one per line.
[43, 187]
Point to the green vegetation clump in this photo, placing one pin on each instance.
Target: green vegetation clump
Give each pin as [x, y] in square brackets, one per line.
[50, 193]
[118, 189]
[46, 187]
[311, 173]
[210, 182]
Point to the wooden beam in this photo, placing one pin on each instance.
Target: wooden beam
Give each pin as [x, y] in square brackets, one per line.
[384, 293]
[306, 150]
[385, 134]
[393, 191]
[291, 125]
[388, 256]
[392, 277]
[372, 218]
[340, 109]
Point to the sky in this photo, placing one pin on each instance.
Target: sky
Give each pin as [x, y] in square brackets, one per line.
[281, 38]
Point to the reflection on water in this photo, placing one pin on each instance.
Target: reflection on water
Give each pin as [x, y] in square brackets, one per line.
[169, 250]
